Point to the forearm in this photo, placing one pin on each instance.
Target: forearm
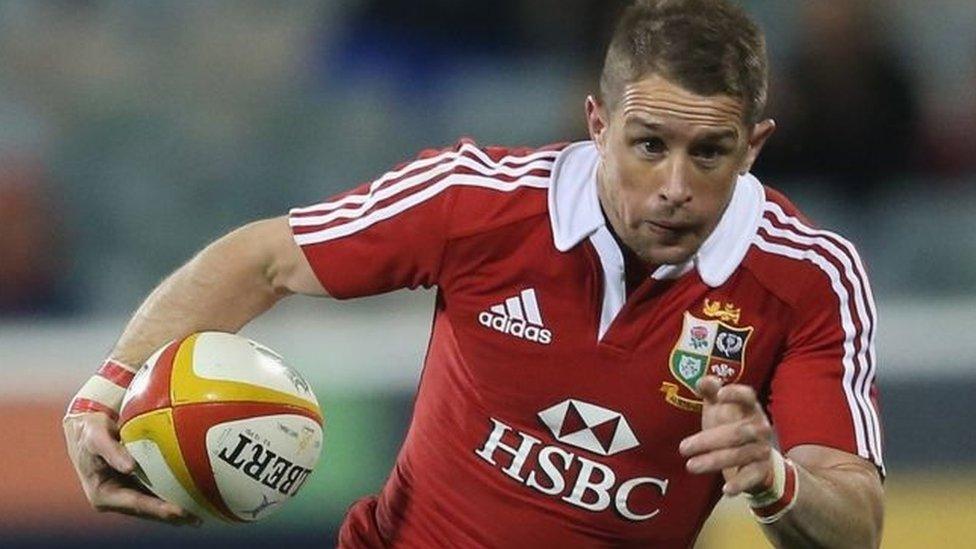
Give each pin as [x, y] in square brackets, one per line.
[837, 506]
[226, 285]
[818, 497]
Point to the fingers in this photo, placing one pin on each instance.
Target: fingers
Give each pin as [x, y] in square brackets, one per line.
[95, 434]
[102, 464]
[708, 388]
[726, 436]
[120, 496]
[736, 438]
[712, 392]
[728, 458]
[103, 441]
[754, 477]
[742, 395]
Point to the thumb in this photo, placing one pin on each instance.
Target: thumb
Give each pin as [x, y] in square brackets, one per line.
[708, 387]
[112, 451]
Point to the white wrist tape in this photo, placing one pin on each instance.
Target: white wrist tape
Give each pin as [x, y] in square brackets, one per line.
[771, 505]
[103, 391]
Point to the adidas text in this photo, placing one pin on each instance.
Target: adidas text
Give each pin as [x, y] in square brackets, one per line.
[515, 327]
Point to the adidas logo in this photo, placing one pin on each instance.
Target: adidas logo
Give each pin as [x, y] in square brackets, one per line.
[519, 316]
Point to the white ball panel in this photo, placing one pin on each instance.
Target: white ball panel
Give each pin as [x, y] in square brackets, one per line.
[231, 357]
[160, 479]
[259, 463]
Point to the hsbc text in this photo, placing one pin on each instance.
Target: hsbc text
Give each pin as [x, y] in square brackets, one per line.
[595, 487]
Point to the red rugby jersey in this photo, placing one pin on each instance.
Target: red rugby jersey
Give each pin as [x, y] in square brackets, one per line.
[551, 403]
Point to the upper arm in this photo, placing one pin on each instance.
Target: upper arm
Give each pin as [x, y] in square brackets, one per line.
[394, 232]
[286, 268]
[383, 235]
[823, 391]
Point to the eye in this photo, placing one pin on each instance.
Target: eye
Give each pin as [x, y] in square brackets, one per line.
[710, 152]
[652, 145]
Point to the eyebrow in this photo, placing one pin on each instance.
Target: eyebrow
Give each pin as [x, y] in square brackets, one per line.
[708, 135]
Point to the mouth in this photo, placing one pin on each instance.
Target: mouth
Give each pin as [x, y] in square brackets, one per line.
[667, 228]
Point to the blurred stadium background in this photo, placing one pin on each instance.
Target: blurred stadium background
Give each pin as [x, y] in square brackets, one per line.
[132, 133]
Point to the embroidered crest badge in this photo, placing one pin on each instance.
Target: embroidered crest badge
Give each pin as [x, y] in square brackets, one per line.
[705, 347]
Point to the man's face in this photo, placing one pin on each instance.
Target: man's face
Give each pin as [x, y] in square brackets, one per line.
[669, 162]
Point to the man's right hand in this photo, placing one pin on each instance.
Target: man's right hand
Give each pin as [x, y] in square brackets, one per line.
[104, 468]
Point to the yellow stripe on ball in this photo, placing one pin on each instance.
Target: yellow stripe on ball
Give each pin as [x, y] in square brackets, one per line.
[187, 387]
[157, 426]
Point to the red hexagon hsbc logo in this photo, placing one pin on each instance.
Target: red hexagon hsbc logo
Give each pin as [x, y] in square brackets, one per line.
[589, 427]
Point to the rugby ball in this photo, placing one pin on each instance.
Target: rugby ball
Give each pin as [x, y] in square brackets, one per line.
[221, 426]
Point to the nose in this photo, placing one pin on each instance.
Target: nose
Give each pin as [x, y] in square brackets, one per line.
[676, 190]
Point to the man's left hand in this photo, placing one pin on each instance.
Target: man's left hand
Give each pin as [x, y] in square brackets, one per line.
[736, 438]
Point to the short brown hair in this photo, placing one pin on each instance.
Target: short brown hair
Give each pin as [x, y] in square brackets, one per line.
[709, 47]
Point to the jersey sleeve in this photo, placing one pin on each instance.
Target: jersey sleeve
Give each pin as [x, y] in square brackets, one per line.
[823, 391]
[384, 235]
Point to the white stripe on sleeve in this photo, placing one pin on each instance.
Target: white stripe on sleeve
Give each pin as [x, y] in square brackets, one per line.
[487, 163]
[860, 417]
[863, 299]
[367, 201]
[386, 212]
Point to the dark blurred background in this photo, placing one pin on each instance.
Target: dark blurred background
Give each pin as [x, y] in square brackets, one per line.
[132, 133]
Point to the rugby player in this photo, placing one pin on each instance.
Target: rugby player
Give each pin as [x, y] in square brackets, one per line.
[626, 329]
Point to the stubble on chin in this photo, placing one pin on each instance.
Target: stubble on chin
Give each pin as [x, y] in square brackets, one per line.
[655, 254]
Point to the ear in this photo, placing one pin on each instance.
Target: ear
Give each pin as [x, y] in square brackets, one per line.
[760, 133]
[596, 121]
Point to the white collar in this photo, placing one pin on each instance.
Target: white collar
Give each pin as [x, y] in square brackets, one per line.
[575, 214]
